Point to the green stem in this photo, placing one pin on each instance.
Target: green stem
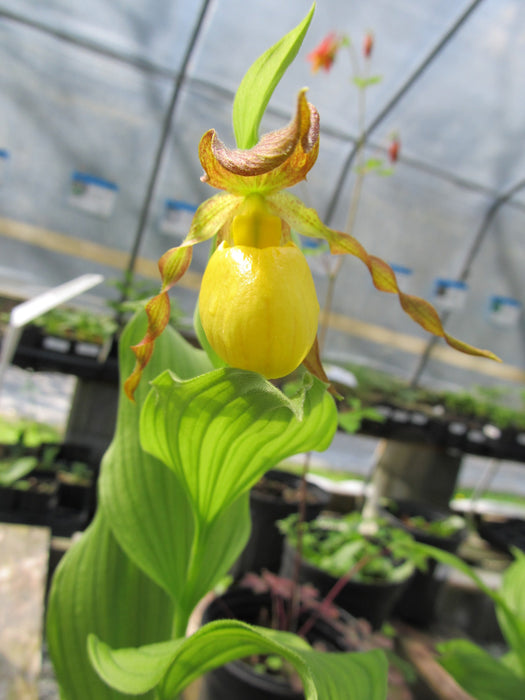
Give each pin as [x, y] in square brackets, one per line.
[354, 200]
[180, 623]
[183, 612]
[296, 589]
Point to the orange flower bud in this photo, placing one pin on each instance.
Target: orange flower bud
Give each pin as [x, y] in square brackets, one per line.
[368, 44]
[393, 149]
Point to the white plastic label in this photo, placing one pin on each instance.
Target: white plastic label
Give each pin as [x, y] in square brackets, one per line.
[55, 344]
[504, 311]
[450, 295]
[87, 349]
[177, 217]
[93, 194]
[4, 162]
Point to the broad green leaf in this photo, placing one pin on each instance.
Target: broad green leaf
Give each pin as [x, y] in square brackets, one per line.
[13, 469]
[260, 81]
[513, 593]
[480, 674]
[221, 431]
[511, 623]
[97, 589]
[147, 507]
[174, 665]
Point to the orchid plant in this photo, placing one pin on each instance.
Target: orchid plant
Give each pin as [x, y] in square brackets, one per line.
[205, 425]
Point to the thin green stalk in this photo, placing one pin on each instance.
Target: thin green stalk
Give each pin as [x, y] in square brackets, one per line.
[296, 589]
[182, 615]
[354, 200]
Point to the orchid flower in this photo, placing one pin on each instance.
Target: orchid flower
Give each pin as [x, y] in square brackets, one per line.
[257, 302]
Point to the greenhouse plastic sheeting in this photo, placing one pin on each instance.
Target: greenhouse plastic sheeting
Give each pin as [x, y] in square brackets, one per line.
[97, 174]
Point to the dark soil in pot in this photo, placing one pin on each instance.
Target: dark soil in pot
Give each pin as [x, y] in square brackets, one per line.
[275, 497]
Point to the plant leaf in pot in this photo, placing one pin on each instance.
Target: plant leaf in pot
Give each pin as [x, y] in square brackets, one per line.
[438, 527]
[266, 600]
[365, 571]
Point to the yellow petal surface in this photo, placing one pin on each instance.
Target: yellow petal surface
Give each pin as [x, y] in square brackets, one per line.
[258, 307]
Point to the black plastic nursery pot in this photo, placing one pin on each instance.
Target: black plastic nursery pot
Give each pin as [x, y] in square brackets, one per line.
[373, 601]
[400, 510]
[44, 352]
[39, 499]
[267, 506]
[8, 498]
[47, 498]
[501, 532]
[417, 603]
[238, 680]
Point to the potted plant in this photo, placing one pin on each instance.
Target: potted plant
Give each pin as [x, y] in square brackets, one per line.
[274, 497]
[37, 497]
[12, 470]
[192, 437]
[363, 565]
[430, 525]
[268, 600]
[74, 341]
[481, 674]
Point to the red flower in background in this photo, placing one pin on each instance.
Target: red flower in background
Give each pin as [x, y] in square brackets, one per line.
[324, 54]
[393, 148]
[368, 44]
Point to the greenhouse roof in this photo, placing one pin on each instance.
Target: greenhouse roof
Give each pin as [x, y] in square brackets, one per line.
[104, 104]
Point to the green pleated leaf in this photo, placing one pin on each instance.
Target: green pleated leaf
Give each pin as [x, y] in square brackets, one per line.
[98, 590]
[146, 504]
[221, 431]
[507, 601]
[513, 593]
[174, 665]
[260, 81]
[480, 674]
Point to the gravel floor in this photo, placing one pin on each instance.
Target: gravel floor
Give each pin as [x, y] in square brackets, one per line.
[47, 686]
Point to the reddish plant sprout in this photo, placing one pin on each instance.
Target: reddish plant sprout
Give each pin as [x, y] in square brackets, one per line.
[324, 55]
[281, 590]
[394, 148]
[368, 44]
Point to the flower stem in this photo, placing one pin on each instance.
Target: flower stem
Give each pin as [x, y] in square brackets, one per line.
[354, 200]
[296, 591]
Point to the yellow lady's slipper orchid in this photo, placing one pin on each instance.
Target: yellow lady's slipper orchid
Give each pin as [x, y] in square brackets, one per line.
[257, 304]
